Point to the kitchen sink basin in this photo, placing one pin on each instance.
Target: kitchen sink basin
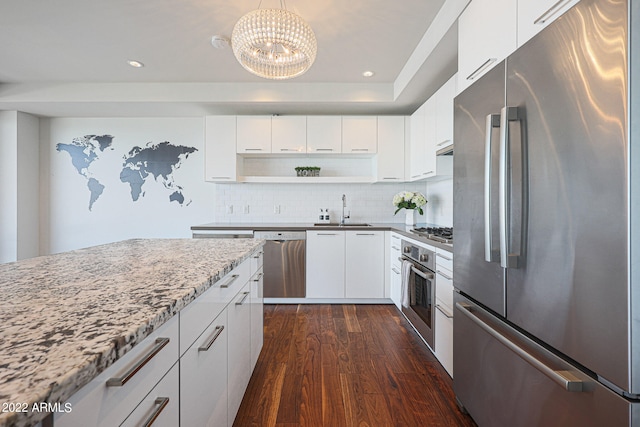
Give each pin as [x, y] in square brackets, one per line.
[335, 224]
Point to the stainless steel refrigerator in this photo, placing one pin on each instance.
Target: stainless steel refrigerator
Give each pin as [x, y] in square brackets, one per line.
[546, 258]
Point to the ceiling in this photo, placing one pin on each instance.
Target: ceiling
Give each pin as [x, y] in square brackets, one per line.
[69, 57]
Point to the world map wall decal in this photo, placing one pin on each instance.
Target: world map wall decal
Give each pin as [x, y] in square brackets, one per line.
[157, 160]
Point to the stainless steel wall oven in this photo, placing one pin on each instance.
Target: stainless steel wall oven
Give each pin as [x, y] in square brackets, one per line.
[419, 287]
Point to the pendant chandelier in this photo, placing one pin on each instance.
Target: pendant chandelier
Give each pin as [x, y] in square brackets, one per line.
[274, 43]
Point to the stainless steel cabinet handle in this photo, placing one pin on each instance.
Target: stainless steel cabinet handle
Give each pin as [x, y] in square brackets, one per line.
[444, 257]
[244, 297]
[395, 271]
[216, 333]
[253, 149]
[481, 68]
[550, 12]
[258, 255]
[257, 279]
[395, 248]
[415, 176]
[324, 149]
[327, 234]
[161, 403]
[359, 149]
[231, 279]
[393, 236]
[120, 381]
[492, 121]
[365, 234]
[444, 275]
[295, 150]
[507, 260]
[446, 141]
[390, 179]
[442, 310]
[220, 177]
[564, 378]
[427, 276]
[428, 173]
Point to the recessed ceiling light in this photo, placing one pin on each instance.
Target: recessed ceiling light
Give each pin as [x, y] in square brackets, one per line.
[135, 64]
[367, 74]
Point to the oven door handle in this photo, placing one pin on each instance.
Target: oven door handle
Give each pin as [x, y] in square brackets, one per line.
[426, 276]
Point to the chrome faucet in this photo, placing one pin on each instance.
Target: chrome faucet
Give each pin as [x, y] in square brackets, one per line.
[344, 205]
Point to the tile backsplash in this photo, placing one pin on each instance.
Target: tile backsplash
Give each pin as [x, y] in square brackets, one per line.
[302, 202]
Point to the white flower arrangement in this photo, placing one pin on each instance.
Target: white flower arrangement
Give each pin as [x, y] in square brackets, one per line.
[409, 200]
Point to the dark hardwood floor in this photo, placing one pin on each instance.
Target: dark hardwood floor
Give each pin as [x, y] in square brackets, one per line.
[346, 365]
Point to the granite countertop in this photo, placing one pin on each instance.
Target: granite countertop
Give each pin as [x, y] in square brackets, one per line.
[67, 317]
[400, 228]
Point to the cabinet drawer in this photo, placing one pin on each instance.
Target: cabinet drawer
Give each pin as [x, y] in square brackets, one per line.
[200, 313]
[444, 338]
[160, 407]
[444, 289]
[203, 377]
[97, 404]
[395, 251]
[444, 259]
[257, 258]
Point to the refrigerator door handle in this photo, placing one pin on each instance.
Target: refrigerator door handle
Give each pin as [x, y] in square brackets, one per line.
[564, 378]
[492, 121]
[507, 260]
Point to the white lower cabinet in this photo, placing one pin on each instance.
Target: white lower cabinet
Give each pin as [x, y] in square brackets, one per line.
[364, 262]
[203, 377]
[395, 270]
[239, 352]
[161, 407]
[345, 264]
[192, 371]
[257, 316]
[110, 397]
[325, 264]
[444, 310]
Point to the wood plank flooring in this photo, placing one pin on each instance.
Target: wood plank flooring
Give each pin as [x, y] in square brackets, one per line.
[346, 365]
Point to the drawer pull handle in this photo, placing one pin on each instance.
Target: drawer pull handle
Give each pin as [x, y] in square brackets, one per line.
[444, 275]
[258, 255]
[161, 403]
[120, 381]
[214, 337]
[441, 310]
[365, 234]
[395, 248]
[228, 283]
[481, 68]
[442, 256]
[244, 297]
[360, 149]
[550, 12]
[395, 270]
[220, 177]
[257, 279]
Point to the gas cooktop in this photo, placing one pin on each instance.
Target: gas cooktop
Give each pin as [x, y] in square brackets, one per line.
[439, 234]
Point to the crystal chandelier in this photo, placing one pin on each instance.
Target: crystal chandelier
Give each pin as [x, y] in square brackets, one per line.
[274, 43]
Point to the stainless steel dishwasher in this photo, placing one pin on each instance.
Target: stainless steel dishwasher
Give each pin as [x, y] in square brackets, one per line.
[284, 263]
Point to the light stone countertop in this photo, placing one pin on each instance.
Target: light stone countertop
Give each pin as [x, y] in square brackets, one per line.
[65, 318]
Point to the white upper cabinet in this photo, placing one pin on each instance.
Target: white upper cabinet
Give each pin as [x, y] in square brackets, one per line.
[288, 134]
[444, 114]
[486, 35]
[254, 134]
[390, 159]
[430, 121]
[359, 134]
[417, 144]
[324, 134]
[220, 149]
[534, 15]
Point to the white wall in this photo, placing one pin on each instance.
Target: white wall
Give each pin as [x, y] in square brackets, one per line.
[67, 222]
[9, 187]
[440, 206]
[19, 178]
[302, 202]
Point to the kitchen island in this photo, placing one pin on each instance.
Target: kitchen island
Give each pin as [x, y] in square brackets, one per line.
[67, 317]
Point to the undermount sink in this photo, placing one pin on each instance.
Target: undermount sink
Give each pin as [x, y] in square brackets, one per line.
[335, 224]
